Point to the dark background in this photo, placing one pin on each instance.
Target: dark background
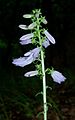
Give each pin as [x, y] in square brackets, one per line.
[16, 91]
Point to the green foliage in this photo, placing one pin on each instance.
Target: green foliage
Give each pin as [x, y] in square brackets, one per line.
[3, 44]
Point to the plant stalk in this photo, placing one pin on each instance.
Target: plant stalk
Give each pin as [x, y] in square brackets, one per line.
[43, 76]
[44, 86]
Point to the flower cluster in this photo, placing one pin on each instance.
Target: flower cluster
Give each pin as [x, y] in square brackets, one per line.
[46, 40]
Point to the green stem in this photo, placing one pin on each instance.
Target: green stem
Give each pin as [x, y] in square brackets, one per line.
[44, 86]
[43, 76]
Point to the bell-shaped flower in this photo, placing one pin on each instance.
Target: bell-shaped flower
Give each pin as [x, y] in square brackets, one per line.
[34, 53]
[31, 73]
[44, 21]
[46, 43]
[49, 36]
[27, 15]
[29, 27]
[28, 58]
[32, 25]
[57, 76]
[25, 42]
[23, 61]
[24, 27]
[38, 13]
[27, 36]
[19, 61]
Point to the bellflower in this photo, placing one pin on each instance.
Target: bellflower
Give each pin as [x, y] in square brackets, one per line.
[28, 58]
[29, 27]
[27, 36]
[44, 21]
[24, 27]
[32, 25]
[27, 15]
[31, 73]
[23, 61]
[46, 43]
[39, 36]
[37, 13]
[25, 42]
[34, 53]
[57, 76]
[49, 36]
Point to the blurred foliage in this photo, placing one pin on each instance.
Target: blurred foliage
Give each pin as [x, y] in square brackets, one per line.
[3, 44]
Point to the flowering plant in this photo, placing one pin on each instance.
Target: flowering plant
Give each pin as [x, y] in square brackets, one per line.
[40, 38]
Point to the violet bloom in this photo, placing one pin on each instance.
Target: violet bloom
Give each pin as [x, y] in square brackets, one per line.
[28, 58]
[46, 43]
[57, 76]
[31, 73]
[27, 36]
[25, 42]
[26, 39]
[34, 53]
[23, 61]
[49, 36]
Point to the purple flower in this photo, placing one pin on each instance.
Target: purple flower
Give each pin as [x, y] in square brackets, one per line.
[23, 61]
[25, 42]
[34, 53]
[50, 38]
[46, 43]
[27, 36]
[31, 73]
[57, 76]
[28, 58]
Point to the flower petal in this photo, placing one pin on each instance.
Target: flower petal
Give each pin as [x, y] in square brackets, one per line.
[27, 15]
[29, 60]
[25, 42]
[23, 61]
[32, 25]
[19, 61]
[46, 43]
[34, 52]
[28, 53]
[31, 73]
[27, 36]
[44, 21]
[57, 76]
[24, 27]
[51, 39]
